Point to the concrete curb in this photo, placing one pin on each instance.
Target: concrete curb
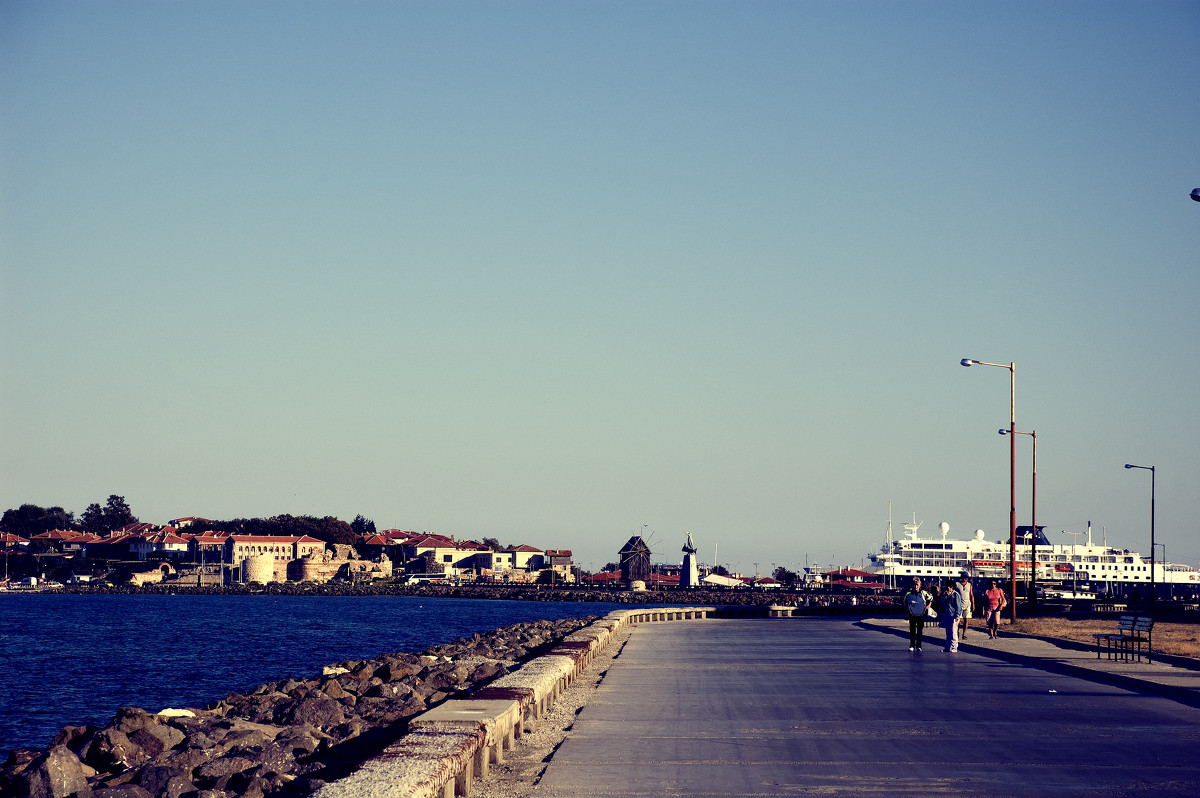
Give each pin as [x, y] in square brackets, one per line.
[451, 745]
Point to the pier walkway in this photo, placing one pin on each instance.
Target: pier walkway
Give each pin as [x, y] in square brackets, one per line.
[806, 706]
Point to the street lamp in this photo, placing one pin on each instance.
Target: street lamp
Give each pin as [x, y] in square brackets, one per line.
[1033, 547]
[1170, 592]
[1012, 467]
[1152, 475]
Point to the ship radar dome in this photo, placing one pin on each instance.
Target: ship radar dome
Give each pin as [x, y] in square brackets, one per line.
[980, 534]
[944, 528]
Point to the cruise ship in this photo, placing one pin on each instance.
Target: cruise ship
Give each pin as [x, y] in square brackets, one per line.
[1074, 566]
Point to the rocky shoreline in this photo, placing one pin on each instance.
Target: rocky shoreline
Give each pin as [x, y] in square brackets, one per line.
[285, 738]
[504, 593]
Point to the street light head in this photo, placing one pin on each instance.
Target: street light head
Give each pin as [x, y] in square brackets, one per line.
[966, 361]
[1002, 431]
[1127, 465]
[1196, 194]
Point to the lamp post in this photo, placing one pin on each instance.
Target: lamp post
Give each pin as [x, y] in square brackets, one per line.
[1033, 527]
[1170, 592]
[1012, 467]
[1152, 475]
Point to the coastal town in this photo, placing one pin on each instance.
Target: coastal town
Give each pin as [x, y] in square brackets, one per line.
[189, 552]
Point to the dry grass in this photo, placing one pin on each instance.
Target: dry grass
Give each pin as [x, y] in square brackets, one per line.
[1181, 639]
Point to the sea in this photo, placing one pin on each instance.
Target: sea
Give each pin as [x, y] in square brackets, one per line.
[76, 659]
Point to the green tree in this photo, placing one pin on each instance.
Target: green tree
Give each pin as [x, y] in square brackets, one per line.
[549, 576]
[492, 543]
[92, 520]
[362, 526]
[30, 519]
[117, 513]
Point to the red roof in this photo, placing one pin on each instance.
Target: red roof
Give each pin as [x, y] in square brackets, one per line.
[848, 572]
[288, 539]
[523, 549]
[604, 576]
[396, 534]
[136, 529]
[431, 542]
[165, 536]
[58, 534]
[558, 552]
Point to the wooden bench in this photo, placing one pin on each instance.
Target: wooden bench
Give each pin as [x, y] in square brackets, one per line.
[1133, 632]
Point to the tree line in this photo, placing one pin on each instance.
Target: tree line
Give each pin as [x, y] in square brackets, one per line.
[29, 520]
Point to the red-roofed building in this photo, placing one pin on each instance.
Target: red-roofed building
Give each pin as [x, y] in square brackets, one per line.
[604, 578]
[9, 541]
[112, 547]
[851, 578]
[137, 529]
[63, 540]
[526, 558]
[279, 547]
[181, 523]
[166, 542]
[208, 547]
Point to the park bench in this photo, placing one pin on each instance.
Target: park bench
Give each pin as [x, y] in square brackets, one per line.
[1133, 632]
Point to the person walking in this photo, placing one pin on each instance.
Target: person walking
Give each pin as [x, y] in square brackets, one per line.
[951, 609]
[995, 602]
[916, 604]
[968, 595]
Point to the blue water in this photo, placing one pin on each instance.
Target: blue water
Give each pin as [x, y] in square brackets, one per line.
[71, 659]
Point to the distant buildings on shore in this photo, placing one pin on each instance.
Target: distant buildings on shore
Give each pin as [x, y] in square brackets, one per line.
[144, 553]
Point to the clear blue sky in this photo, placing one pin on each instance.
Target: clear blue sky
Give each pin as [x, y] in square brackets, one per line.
[550, 272]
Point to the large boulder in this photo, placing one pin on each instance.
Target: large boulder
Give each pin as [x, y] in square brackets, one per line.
[111, 751]
[156, 778]
[315, 709]
[123, 791]
[58, 773]
[73, 737]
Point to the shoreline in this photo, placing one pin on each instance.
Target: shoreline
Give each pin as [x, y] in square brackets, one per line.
[816, 600]
[288, 736]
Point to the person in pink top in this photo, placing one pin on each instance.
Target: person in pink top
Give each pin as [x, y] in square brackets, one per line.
[996, 602]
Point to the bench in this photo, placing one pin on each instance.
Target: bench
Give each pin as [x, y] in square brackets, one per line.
[1133, 632]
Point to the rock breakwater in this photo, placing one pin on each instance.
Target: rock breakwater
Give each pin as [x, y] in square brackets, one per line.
[285, 738]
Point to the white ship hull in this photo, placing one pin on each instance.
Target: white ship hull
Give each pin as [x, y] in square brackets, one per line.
[1099, 568]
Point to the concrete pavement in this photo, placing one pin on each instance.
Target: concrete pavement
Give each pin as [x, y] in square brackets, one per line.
[801, 706]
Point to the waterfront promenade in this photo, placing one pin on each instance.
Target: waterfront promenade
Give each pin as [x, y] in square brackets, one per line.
[806, 706]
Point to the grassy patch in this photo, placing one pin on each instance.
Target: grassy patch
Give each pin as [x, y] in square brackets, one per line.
[1181, 639]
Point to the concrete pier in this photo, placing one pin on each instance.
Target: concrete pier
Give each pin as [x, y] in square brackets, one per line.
[822, 706]
[699, 704]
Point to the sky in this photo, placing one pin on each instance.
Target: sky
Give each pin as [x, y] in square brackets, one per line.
[561, 273]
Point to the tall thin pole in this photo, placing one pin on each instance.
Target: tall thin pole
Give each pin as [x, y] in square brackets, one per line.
[1152, 474]
[1012, 473]
[1033, 548]
[1012, 467]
